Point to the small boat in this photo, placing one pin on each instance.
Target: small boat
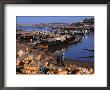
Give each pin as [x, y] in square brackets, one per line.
[92, 50]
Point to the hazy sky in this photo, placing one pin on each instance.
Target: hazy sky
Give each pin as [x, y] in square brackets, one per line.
[49, 19]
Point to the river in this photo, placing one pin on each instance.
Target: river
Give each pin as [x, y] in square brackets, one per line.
[30, 28]
[78, 51]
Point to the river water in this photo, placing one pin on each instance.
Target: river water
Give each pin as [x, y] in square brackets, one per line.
[75, 52]
[78, 51]
[30, 28]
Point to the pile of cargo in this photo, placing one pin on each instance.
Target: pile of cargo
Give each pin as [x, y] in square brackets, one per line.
[36, 65]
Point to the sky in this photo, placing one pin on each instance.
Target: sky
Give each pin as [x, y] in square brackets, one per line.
[49, 19]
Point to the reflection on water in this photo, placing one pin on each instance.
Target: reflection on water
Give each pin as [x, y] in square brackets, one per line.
[78, 51]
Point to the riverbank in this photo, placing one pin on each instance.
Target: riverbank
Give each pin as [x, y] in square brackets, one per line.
[44, 62]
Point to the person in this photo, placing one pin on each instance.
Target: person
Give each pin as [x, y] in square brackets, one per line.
[41, 67]
[30, 50]
[58, 58]
[62, 59]
[27, 49]
[31, 40]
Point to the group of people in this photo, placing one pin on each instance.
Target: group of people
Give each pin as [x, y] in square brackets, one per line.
[60, 58]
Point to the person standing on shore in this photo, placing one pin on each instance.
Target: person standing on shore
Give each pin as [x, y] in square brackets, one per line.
[62, 59]
[58, 60]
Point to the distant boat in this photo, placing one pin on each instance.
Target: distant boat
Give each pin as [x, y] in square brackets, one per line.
[89, 50]
[92, 56]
